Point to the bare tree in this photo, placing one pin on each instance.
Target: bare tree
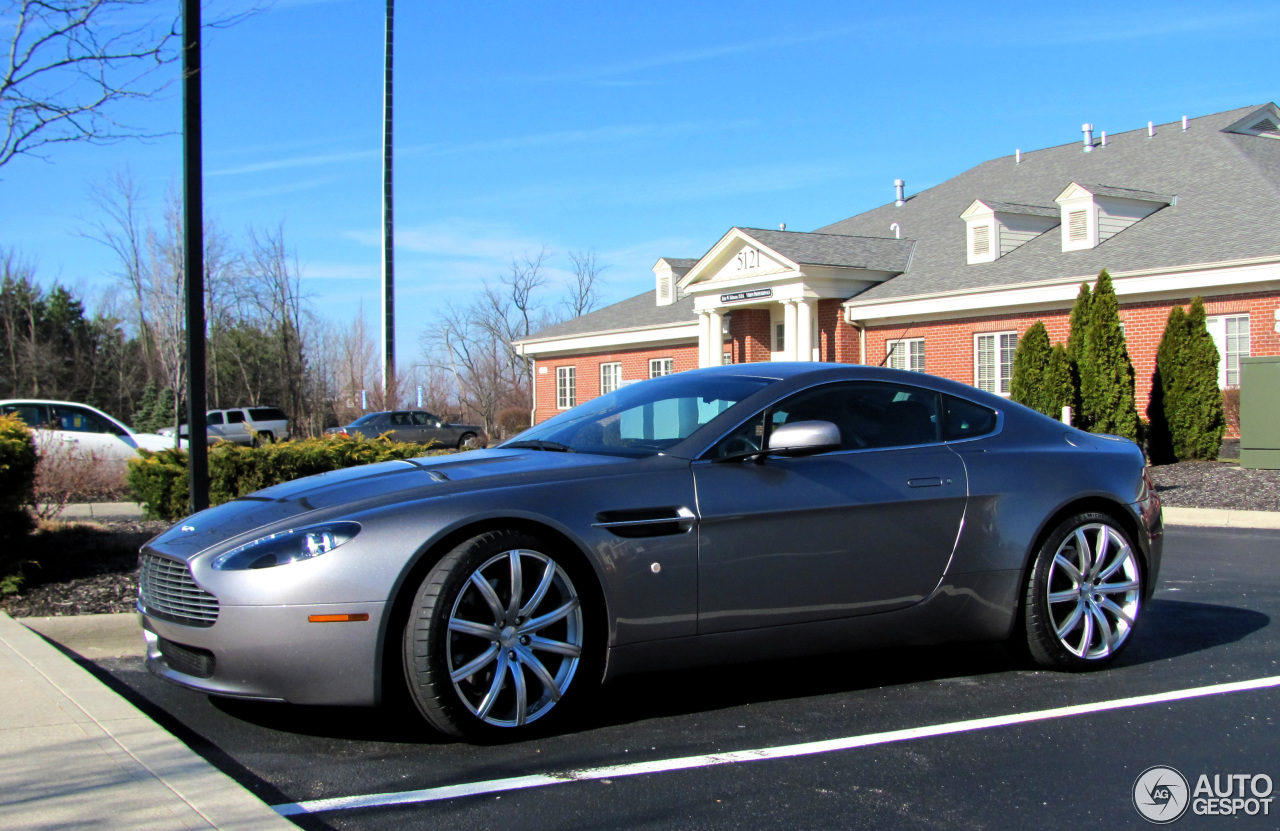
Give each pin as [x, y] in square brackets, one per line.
[583, 294]
[70, 63]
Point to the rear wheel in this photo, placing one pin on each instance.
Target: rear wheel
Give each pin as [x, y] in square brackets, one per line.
[1084, 594]
[466, 441]
[496, 637]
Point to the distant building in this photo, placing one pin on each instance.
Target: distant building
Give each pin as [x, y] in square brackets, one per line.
[945, 281]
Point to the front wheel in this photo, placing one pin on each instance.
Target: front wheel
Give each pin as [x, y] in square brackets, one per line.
[496, 637]
[1084, 594]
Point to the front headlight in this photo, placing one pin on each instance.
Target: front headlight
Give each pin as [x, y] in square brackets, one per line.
[287, 546]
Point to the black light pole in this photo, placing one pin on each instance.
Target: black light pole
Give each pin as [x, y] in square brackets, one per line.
[388, 228]
[193, 255]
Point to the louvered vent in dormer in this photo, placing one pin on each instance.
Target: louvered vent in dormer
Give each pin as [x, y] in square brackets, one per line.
[1266, 127]
[1079, 222]
[981, 240]
[664, 289]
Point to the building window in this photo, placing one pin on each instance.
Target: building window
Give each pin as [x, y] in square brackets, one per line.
[726, 358]
[659, 367]
[780, 337]
[610, 377]
[993, 361]
[1231, 335]
[566, 387]
[907, 354]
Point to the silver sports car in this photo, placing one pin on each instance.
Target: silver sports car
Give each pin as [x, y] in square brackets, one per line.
[727, 514]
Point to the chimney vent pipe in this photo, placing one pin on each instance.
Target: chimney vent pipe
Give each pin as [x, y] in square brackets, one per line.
[900, 186]
[1184, 124]
[1017, 156]
[1151, 129]
[1087, 129]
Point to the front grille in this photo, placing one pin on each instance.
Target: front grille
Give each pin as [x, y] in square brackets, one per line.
[168, 591]
[189, 660]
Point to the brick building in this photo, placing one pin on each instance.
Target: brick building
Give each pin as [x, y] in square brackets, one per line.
[945, 281]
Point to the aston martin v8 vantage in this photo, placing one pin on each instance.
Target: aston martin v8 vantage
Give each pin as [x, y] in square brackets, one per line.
[727, 514]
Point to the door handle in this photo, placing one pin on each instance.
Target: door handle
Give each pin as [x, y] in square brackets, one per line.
[925, 482]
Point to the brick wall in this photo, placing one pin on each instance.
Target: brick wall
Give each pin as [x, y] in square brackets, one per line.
[949, 345]
[749, 334]
[635, 367]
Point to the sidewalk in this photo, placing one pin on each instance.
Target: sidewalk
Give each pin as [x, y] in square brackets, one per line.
[74, 754]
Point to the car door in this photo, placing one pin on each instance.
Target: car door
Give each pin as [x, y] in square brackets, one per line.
[214, 424]
[89, 432]
[435, 430]
[866, 528]
[235, 429]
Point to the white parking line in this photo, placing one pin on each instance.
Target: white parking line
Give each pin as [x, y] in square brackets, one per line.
[514, 783]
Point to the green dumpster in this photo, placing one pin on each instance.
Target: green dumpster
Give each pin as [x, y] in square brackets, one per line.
[1260, 412]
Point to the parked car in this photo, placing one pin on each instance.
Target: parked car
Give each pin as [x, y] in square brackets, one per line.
[417, 426]
[242, 425]
[81, 429]
[733, 513]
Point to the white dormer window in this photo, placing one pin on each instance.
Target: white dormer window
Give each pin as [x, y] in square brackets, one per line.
[995, 229]
[667, 274]
[1093, 214]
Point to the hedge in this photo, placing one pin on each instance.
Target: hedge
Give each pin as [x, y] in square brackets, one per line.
[17, 480]
[159, 480]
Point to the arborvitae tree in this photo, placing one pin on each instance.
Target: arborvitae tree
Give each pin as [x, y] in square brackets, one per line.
[1106, 373]
[1029, 364]
[1059, 389]
[1075, 351]
[1196, 422]
[1169, 359]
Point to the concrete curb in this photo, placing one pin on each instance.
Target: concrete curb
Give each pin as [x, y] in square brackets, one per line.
[101, 510]
[1221, 518]
[75, 754]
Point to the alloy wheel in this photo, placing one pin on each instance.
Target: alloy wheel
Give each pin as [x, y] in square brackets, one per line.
[1094, 588]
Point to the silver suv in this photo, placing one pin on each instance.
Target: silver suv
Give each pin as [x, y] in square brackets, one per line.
[243, 425]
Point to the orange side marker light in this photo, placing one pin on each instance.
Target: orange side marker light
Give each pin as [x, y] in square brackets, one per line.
[337, 618]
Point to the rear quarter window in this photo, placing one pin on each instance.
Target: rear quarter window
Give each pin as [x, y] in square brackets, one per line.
[966, 420]
[267, 414]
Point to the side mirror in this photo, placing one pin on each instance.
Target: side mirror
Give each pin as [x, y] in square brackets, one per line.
[804, 438]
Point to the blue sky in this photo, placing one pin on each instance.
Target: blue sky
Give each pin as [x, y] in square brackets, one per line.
[640, 130]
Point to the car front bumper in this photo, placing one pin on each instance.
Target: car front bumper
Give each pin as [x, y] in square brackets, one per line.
[274, 653]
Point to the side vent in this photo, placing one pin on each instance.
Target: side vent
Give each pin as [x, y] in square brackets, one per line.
[1079, 229]
[646, 522]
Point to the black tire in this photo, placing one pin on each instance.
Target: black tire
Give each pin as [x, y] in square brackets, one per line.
[1081, 608]
[259, 439]
[519, 651]
[464, 439]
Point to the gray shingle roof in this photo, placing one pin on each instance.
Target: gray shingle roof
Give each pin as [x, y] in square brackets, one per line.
[1228, 207]
[1015, 208]
[639, 312]
[876, 253]
[1127, 193]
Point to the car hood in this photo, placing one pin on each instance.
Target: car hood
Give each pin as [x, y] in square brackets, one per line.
[364, 487]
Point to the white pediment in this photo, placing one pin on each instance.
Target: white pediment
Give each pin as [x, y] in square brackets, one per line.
[737, 258]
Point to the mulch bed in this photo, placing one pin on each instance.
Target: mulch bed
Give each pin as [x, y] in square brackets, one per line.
[92, 568]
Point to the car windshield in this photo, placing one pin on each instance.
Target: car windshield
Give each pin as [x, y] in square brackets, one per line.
[365, 419]
[642, 419]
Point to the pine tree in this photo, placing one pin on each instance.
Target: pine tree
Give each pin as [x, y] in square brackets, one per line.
[1106, 373]
[1196, 423]
[1075, 352]
[1169, 359]
[1030, 362]
[1057, 380]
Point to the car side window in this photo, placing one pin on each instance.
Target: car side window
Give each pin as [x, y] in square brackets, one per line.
[400, 419]
[235, 417]
[76, 420]
[33, 415]
[424, 419]
[869, 414]
[966, 420]
[214, 419]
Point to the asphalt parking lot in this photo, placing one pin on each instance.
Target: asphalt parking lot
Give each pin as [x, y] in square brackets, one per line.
[975, 739]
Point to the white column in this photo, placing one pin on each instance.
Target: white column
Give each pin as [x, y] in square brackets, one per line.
[789, 330]
[715, 353]
[804, 331]
[704, 339]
